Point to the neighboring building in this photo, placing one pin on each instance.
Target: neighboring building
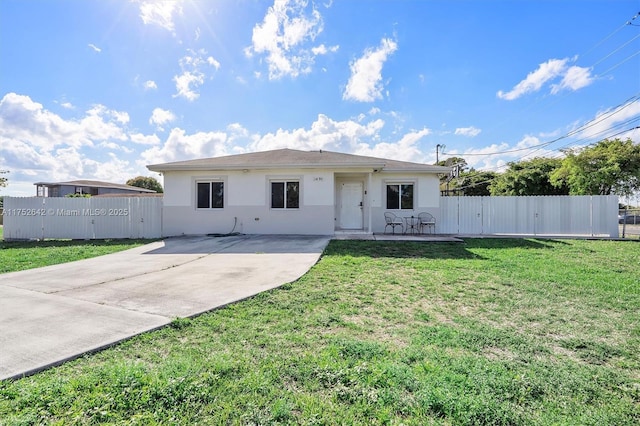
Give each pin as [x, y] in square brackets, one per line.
[91, 187]
[288, 191]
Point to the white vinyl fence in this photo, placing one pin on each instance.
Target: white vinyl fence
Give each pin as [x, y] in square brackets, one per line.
[536, 215]
[82, 218]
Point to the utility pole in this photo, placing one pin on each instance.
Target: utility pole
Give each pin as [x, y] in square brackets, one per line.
[437, 149]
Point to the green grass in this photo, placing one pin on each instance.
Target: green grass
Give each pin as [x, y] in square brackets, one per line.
[18, 256]
[489, 332]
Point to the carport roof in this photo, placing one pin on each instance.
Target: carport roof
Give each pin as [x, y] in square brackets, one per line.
[292, 158]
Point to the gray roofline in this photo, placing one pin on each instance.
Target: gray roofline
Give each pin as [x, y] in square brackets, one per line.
[334, 160]
[163, 167]
[96, 184]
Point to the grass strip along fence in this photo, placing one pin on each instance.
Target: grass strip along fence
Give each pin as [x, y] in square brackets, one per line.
[488, 332]
[18, 256]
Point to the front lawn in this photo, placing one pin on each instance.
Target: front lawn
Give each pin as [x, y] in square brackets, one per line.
[21, 255]
[492, 331]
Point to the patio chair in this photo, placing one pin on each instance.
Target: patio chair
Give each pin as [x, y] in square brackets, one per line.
[392, 220]
[426, 220]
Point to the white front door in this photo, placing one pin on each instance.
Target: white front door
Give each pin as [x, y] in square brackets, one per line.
[351, 205]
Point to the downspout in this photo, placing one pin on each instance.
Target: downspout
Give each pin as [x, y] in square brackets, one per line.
[368, 191]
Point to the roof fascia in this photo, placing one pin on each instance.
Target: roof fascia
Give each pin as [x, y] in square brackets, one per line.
[366, 166]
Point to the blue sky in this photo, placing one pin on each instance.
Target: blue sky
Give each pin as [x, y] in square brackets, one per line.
[99, 89]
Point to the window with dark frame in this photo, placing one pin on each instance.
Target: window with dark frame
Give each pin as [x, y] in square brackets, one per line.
[285, 195]
[210, 195]
[399, 196]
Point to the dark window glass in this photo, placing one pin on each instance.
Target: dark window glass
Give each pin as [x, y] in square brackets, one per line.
[277, 195]
[406, 197]
[293, 195]
[285, 195]
[393, 197]
[203, 195]
[210, 195]
[400, 197]
[217, 195]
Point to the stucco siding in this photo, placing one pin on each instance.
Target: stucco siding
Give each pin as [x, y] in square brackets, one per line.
[317, 220]
[247, 204]
[177, 190]
[428, 192]
[318, 189]
[247, 199]
[244, 189]
[426, 197]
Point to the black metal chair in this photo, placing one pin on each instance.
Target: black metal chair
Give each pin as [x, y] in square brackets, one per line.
[392, 220]
[426, 220]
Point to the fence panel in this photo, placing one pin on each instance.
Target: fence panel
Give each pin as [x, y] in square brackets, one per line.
[508, 215]
[82, 218]
[448, 221]
[535, 215]
[470, 215]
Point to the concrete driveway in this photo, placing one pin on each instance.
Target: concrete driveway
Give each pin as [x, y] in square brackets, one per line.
[52, 314]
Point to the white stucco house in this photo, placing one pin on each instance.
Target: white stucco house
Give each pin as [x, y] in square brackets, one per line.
[288, 191]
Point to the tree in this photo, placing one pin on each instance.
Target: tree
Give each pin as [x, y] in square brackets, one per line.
[447, 182]
[608, 167]
[146, 182]
[475, 183]
[531, 177]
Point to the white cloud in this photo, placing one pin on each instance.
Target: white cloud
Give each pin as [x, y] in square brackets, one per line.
[468, 131]
[365, 83]
[67, 105]
[94, 47]
[180, 146]
[324, 133]
[323, 50]
[160, 13]
[608, 121]
[184, 83]
[150, 85]
[141, 139]
[573, 78]
[25, 120]
[120, 117]
[283, 36]
[38, 145]
[193, 66]
[116, 147]
[160, 117]
[406, 149]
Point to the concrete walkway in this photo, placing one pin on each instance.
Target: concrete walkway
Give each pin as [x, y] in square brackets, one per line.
[53, 314]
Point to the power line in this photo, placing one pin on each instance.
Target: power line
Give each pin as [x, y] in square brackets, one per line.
[560, 153]
[587, 125]
[537, 147]
[615, 50]
[619, 63]
[612, 34]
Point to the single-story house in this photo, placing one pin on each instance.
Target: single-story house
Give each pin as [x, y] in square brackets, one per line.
[288, 191]
[91, 187]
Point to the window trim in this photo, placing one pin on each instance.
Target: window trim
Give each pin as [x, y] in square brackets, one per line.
[400, 183]
[285, 181]
[210, 181]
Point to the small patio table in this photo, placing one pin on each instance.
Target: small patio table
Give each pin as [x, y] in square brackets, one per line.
[411, 224]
